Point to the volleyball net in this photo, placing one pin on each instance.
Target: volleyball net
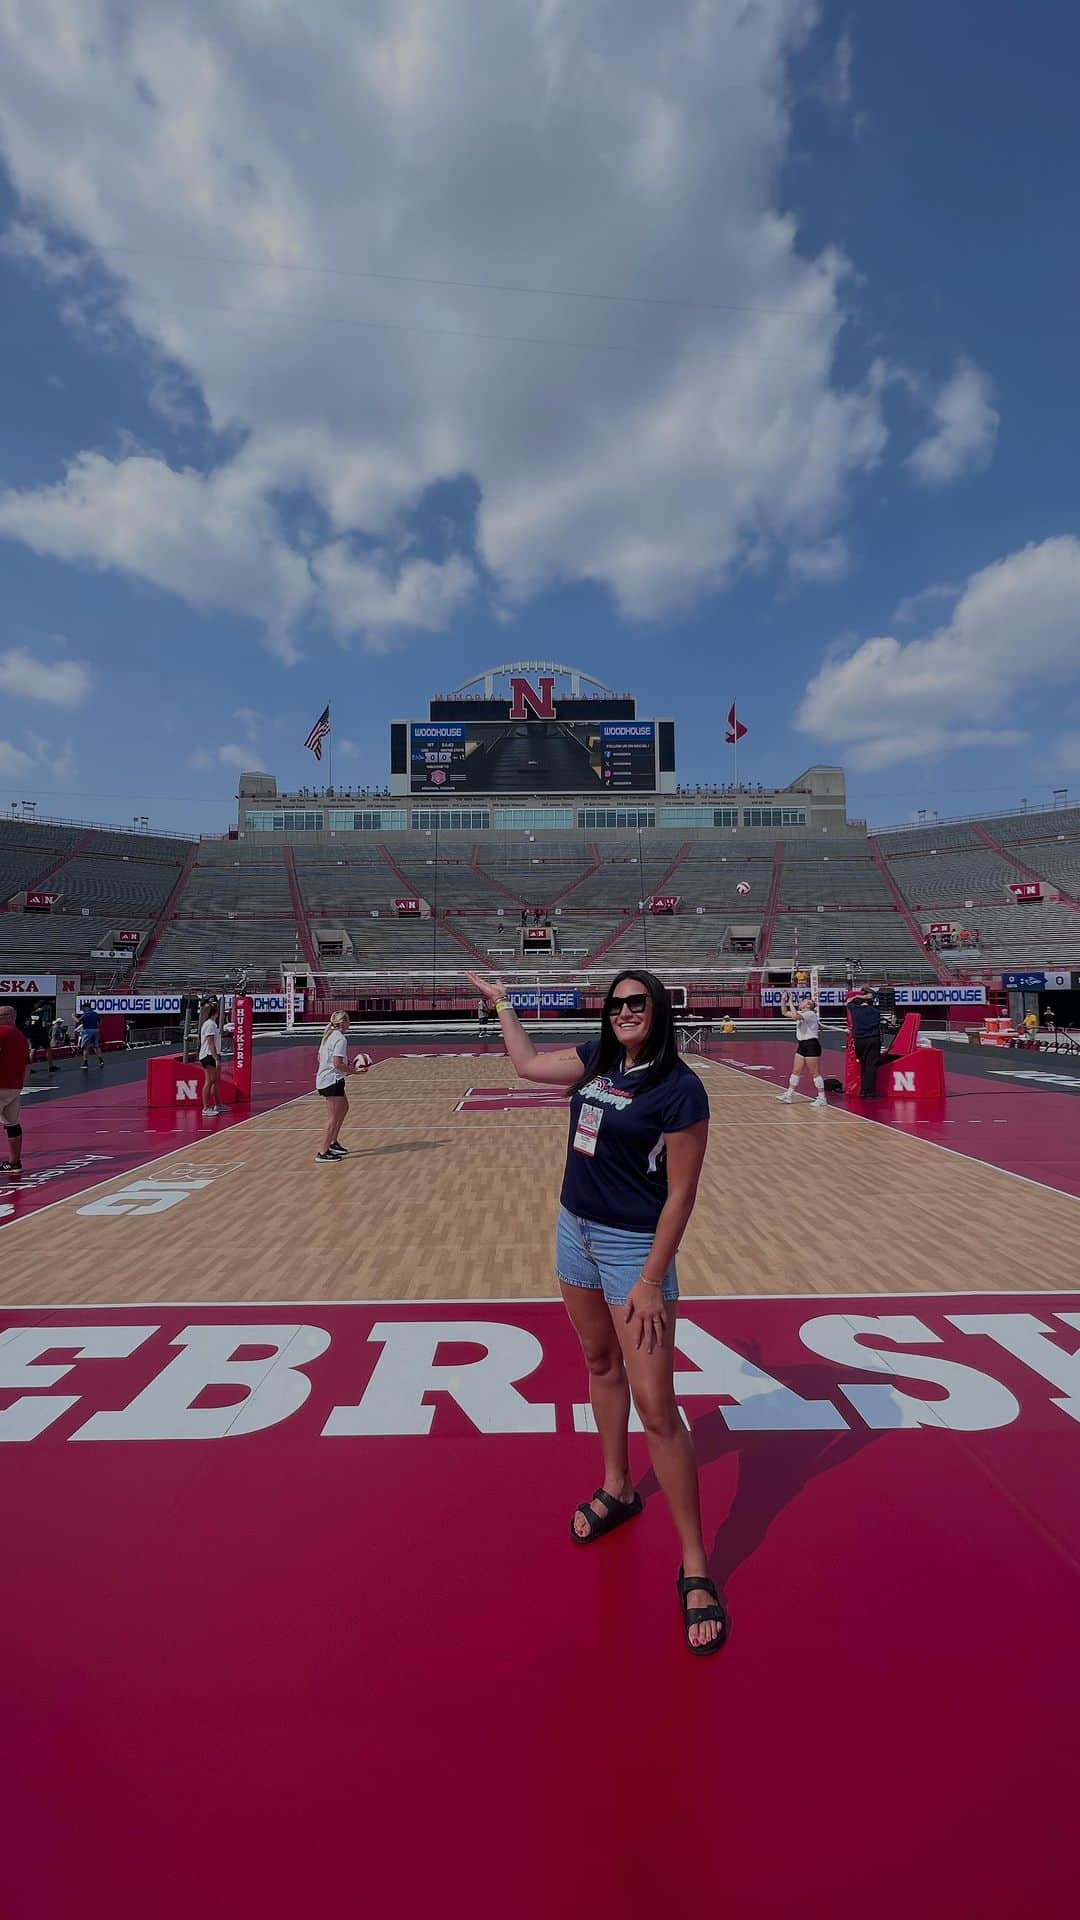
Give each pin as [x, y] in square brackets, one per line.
[312, 995]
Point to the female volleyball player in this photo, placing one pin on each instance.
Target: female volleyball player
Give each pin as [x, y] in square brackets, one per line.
[639, 1121]
[210, 1058]
[807, 1045]
[330, 1083]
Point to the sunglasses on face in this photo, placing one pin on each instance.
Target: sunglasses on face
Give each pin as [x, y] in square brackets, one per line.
[633, 1003]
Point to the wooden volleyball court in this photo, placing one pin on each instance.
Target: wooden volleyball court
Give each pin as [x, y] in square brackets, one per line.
[293, 1454]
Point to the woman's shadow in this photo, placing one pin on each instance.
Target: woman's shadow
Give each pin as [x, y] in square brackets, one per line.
[773, 1467]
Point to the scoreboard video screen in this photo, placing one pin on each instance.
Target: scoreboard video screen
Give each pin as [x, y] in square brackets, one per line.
[532, 756]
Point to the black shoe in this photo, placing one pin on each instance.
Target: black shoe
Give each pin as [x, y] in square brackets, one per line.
[327, 1159]
[11, 1166]
[339, 1152]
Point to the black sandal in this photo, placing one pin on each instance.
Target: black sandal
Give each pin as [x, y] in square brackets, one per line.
[599, 1524]
[695, 1616]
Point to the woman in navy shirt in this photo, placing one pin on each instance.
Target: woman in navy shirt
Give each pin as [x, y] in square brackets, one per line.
[639, 1122]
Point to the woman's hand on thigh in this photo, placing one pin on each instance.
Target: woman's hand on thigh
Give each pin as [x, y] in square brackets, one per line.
[645, 1310]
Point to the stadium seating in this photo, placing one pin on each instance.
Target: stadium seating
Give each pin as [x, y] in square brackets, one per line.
[832, 899]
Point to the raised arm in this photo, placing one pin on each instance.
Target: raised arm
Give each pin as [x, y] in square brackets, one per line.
[552, 1068]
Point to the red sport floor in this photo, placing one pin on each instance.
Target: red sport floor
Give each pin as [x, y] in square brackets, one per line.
[293, 1624]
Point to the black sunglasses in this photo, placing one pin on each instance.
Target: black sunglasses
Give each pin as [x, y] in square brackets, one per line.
[633, 1002]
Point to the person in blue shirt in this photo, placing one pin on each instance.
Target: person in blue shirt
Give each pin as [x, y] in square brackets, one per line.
[90, 1037]
[639, 1124]
[865, 1019]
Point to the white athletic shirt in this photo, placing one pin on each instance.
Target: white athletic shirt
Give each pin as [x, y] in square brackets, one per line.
[209, 1031]
[808, 1025]
[333, 1059]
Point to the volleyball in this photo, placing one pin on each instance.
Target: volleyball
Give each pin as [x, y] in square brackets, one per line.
[361, 1061]
[743, 886]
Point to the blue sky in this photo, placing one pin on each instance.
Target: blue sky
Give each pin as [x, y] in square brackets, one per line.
[720, 351]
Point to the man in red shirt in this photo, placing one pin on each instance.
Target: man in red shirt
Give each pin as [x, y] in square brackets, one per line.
[14, 1071]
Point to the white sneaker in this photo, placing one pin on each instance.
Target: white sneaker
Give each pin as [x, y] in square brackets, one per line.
[787, 1097]
[820, 1101]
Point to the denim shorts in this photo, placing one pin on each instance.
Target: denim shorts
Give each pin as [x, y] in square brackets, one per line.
[607, 1259]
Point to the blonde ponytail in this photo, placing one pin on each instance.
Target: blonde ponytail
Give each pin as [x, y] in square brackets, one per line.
[333, 1025]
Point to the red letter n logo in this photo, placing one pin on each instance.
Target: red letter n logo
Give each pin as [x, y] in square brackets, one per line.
[526, 700]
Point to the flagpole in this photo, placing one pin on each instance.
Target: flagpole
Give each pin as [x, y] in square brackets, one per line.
[329, 749]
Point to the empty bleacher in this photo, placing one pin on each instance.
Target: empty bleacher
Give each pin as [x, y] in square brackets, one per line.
[236, 909]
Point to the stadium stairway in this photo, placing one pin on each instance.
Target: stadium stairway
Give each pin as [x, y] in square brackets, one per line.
[658, 886]
[166, 915]
[48, 873]
[1028, 873]
[303, 930]
[498, 885]
[415, 892]
[904, 911]
[772, 904]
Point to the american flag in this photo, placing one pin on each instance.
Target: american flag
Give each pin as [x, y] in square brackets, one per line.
[318, 733]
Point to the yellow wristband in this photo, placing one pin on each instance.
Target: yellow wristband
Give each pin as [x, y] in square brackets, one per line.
[503, 1006]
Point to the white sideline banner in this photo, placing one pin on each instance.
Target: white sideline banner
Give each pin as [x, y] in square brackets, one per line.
[827, 996]
[954, 996]
[941, 996]
[152, 1003]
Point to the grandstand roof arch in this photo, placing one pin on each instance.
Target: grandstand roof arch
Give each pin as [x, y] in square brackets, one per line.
[489, 675]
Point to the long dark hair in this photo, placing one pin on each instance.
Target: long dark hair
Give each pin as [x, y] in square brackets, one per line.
[663, 1054]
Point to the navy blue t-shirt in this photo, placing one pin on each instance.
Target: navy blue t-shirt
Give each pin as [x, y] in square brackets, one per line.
[615, 1158]
[865, 1020]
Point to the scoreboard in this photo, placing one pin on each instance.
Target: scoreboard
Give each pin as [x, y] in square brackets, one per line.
[532, 756]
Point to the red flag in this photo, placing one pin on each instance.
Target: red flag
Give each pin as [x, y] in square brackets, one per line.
[735, 727]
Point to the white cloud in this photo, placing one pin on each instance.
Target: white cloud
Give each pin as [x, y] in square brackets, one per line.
[13, 760]
[829, 560]
[58, 761]
[348, 749]
[930, 743]
[215, 541]
[916, 605]
[1067, 752]
[245, 758]
[60, 683]
[26, 243]
[1015, 627]
[363, 598]
[965, 430]
[399, 244]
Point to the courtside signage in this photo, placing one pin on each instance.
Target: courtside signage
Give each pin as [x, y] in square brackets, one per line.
[826, 996]
[941, 996]
[201, 1377]
[130, 1002]
[549, 999]
[164, 1002]
[28, 986]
